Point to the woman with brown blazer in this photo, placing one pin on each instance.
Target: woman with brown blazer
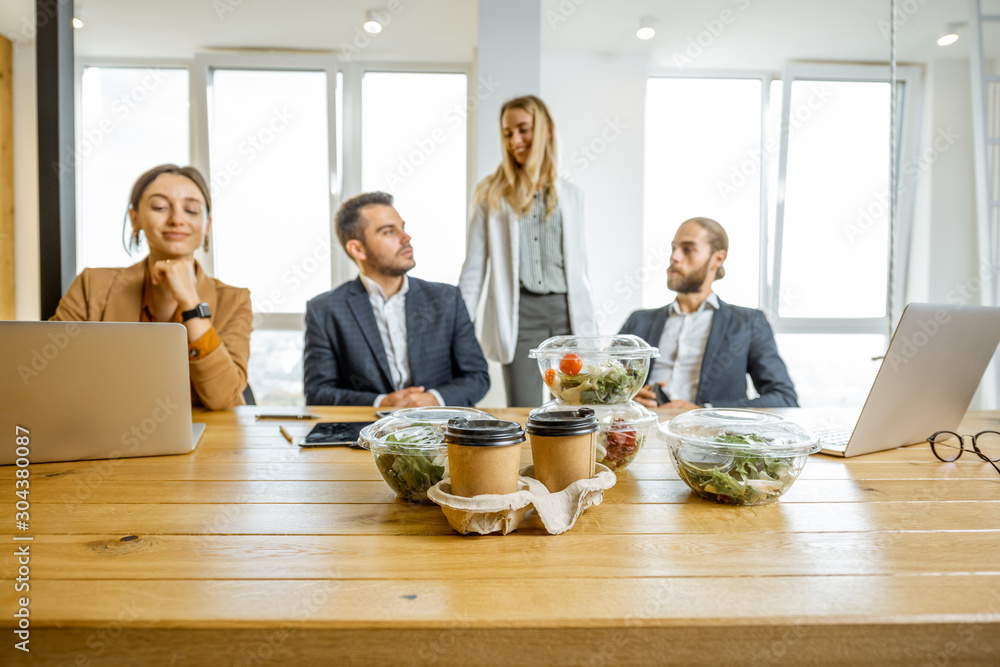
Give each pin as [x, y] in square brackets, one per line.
[171, 206]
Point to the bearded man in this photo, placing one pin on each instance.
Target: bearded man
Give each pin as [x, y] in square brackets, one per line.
[385, 339]
[708, 347]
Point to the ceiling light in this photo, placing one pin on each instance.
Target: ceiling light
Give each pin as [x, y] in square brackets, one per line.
[950, 35]
[77, 23]
[372, 23]
[646, 30]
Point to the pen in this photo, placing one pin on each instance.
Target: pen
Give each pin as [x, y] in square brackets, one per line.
[299, 416]
[285, 433]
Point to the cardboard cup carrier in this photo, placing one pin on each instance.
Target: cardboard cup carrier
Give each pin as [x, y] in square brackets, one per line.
[483, 456]
[563, 445]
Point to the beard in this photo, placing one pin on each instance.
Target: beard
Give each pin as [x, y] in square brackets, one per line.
[394, 266]
[690, 283]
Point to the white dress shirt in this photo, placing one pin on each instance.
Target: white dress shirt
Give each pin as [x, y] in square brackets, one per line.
[390, 316]
[682, 349]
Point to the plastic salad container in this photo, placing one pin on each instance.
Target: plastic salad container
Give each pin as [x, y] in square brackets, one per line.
[594, 370]
[409, 449]
[621, 432]
[739, 457]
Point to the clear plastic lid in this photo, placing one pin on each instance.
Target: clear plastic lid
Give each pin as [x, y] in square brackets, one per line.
[617, 415]
[718, 432]
[416, 428]
[595, 348]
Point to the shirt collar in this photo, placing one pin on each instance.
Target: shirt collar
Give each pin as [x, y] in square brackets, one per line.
[711, 301]
[373, 287]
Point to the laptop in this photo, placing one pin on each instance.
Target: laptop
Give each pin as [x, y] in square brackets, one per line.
[94, 390]
[934, 363]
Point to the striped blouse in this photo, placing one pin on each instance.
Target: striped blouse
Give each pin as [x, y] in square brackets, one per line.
[541, 249]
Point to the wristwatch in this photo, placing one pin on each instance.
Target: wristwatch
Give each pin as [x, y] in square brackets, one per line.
[201, 310]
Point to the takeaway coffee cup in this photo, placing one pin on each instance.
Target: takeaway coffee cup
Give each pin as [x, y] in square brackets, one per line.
[483, 456]
[562, 445]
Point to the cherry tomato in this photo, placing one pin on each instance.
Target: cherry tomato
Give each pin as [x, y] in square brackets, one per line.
[550, 376]
[571, 364]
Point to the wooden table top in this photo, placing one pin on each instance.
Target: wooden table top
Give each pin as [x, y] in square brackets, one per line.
[249, 551]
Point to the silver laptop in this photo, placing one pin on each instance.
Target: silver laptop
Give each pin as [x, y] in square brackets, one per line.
[934, 363]
[94, 390]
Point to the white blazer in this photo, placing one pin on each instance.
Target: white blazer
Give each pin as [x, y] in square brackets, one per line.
[492, 243]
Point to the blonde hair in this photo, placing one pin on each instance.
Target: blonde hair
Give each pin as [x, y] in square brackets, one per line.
[518, 184]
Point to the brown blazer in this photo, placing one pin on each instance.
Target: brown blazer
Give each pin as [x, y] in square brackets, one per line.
[115, 295]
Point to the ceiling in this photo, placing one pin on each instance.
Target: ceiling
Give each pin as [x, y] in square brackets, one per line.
[751, 34]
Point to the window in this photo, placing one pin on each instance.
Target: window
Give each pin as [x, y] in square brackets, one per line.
[413, 146]
[703, 158]
[817, 251]
[271, 183]
[132, 119]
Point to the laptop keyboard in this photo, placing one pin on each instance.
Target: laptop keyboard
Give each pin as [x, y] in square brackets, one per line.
[834, 438]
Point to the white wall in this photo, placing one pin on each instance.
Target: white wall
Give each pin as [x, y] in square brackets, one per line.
[598, 106]
[26, 182]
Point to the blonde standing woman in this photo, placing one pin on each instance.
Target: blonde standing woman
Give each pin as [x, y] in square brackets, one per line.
[527, 234]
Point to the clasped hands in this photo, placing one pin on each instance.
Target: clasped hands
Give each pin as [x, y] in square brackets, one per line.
[410, 397]
[179, 277]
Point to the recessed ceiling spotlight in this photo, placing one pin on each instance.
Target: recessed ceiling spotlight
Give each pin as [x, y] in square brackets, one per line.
[372, 23]
[77, 23]
[950, 35]
[646, 30]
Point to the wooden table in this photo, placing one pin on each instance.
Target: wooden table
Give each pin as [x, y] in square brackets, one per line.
[249, 551]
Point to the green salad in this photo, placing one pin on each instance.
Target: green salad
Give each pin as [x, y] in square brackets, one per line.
[604, 383]
[408, 467]
[736, 477]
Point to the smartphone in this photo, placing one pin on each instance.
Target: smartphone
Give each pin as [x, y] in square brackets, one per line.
[661, 396]
[332, 434]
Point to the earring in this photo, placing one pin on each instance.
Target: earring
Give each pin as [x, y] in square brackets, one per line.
[205, 245]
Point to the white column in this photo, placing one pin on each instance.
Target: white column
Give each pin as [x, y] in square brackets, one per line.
[508, 64]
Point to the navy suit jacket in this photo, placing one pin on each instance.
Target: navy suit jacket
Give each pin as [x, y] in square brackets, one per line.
[345, 364]
[739, 342]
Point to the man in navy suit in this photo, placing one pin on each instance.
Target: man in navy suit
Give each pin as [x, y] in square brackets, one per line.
[386, 339]
[708, 347]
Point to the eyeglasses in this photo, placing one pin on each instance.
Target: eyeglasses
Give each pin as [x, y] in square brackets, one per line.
[948, 446]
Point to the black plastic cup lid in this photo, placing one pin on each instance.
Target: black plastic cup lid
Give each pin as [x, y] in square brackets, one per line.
[482, 433]
[562, 423]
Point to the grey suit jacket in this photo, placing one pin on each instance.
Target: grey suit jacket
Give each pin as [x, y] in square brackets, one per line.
[739, 342]
[345, 363]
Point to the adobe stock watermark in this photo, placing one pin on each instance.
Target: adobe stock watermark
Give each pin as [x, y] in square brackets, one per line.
[45, 11]
[869, 214]
[41, 358]
[703, 40]
[905, 10]
[902, 354]
[252, 146]
[562, 12]
[588, 153]
[820, 94]
[297, 273]
[121, 108]
[361, 39]
[424, 148]
[100, 640]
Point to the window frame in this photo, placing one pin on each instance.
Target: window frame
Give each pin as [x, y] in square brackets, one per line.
[766, 78]
[81, 64]
[907, 130]
[202, 73]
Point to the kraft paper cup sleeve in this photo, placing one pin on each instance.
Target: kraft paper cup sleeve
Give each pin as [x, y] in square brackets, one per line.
[559, 511]
[484, 514]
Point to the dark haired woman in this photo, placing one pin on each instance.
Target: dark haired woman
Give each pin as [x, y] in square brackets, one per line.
[172, 207]
[527, 227]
